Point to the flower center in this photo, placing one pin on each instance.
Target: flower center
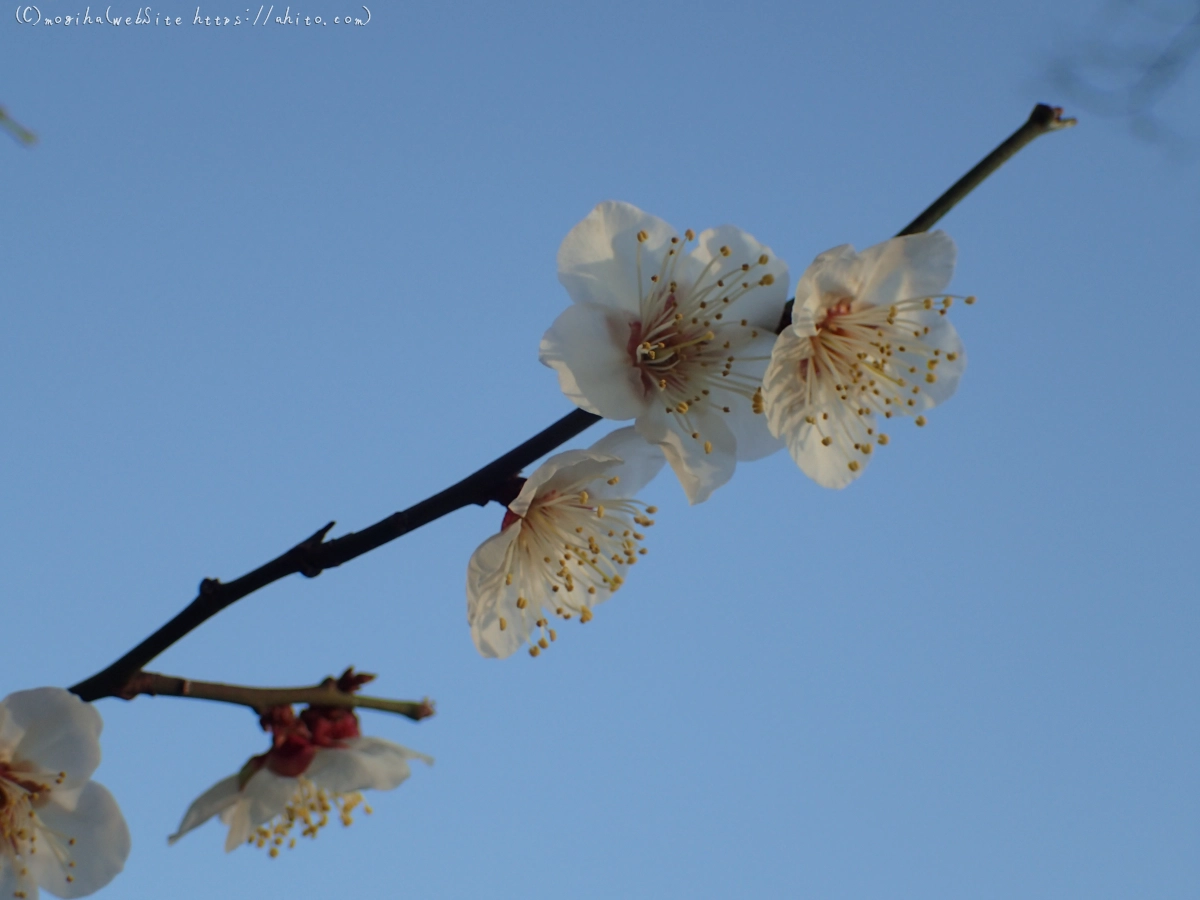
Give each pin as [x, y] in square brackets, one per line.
[685, 344]
[579, 545]
[876, 359]
[21, 794]
[309, 808]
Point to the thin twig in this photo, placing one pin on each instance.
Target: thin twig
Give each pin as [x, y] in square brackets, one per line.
[261, 699]
[494, 481]
[1042, 120]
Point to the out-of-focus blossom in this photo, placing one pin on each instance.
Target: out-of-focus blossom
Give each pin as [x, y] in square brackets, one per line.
[563, 545]
[869, 336]
[59, 830]
[318, 766]
[676, 339]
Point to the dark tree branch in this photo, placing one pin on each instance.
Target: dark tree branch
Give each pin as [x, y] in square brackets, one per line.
[313, 555]
[495, 481]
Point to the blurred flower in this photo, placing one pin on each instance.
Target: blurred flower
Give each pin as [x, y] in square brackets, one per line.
[677, 341]
[869, 336]
[58, 829]
[562, 545]
[318, 764]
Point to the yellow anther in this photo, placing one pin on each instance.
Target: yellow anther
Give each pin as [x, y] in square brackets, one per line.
[920, 420]
[508, 578]
[543, 643]
[583, 497]
[652, 509]
[951, 356]
[681, 406]
[826, 440]
[642, 237]
[708, 446]
[503, 623]
[764, 259]
[522, 603]
[614, 479]
[600, 511]
[970, 300]
[690, 235]
[853, 465]
[883, 439]
[724, 251]
[931, 378]
[585, 614]
[767, 279]
[534, 651]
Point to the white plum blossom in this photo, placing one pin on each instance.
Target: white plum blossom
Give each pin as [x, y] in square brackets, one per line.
[676, 339]
[263, 807]
[563, 544]
[59, 830]
[869, 337]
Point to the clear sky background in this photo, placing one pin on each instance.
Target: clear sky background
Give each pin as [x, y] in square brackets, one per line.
[258, 278]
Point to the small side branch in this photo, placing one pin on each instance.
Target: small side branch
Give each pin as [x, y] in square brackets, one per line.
[260, 700]
[1042, 120]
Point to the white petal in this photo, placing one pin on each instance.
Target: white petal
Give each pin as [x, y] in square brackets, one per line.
[942, 335]
[100, 849]
[764, 304]
[61, 733]
[750, 430]
[365, 763]
[597, 262]
[10, 736]
[699, 473]
[588, 348]
[488, 597]
[640, 462]
[237, 817]
[265, 796]
[560, 472]
[212, 802]
[805, 425]
[904, 268]
[834, 274]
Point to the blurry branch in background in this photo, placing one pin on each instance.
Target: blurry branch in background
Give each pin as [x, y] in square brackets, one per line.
[1137, 52]
[335, 692]
[16, 129]
[498, 481]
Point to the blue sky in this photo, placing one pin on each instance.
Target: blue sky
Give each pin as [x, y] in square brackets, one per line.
[259, 278]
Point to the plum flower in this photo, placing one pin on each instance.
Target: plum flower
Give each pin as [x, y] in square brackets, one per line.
[563, 545]
[676, 340]
[318, 765]
[58, 829]
[869, 336]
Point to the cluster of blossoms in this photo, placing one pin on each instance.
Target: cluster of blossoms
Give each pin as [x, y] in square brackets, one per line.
[683, 334]
[318, 764]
